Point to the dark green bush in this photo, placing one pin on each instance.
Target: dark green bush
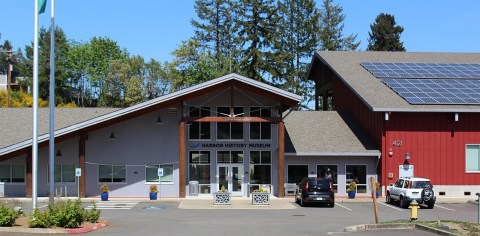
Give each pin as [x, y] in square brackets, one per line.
[39, 219]
[8, 216]
[93, 215]
[67, 214]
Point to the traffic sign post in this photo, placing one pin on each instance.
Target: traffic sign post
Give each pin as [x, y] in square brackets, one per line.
[78, 173]
[160, 174]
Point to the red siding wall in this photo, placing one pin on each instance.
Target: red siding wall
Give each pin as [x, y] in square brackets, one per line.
[436, 142]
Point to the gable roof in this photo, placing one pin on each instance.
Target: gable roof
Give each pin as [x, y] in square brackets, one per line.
[71, 121]
[325, 133]
[372, 91]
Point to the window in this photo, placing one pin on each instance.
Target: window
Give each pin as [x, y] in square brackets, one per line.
[229, 130]
[63, 174]
[472, 158]
[199, 130]
[260, 167]
[358, 173]
[112, 173]
[199, 169]
[230, 157]
[296, 173]
[260, 130]
[322, 172]
[151, 173]
[12, 173]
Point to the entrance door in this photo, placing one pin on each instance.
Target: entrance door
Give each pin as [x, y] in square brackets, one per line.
[230, 176]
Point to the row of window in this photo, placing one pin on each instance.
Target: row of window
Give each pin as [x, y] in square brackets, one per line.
[230, 130]
[106, 173]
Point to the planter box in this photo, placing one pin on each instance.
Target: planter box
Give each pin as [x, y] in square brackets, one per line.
[260, 198]
[221, 198]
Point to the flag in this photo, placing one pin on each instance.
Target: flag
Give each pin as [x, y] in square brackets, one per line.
[41, 6]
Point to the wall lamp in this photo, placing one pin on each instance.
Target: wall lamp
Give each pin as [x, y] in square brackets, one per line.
[159, 119]
[456, 117]
[112, 135]
[407, 156]
[59, 153]
[387, 115]
[390, 152]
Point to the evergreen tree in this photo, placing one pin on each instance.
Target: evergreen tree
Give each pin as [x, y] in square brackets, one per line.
[215, 30]
[293, 44]
[385, 34]
[256, 20]
[331, 29]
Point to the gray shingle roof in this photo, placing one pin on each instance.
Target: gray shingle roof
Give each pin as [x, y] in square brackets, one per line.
[376, 94]
[17, 123]
[324, 133]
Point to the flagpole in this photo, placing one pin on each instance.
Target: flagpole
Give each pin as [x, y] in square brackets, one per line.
[35, 110]
[52, 103]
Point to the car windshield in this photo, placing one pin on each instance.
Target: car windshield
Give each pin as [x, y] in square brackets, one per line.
[421, 184]
[322, 184]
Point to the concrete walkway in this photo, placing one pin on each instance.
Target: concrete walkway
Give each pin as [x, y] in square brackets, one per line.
[206, 202]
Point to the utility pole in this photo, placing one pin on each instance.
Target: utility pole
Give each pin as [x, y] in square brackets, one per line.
[9, 74]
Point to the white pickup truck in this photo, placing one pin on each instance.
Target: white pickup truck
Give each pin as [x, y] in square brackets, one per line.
[407, 189]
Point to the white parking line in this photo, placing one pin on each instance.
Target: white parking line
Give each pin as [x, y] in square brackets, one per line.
[445, 208]
[343, 206]
[396, 208]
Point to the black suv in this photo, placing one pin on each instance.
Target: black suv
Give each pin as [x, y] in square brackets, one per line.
[315, 190]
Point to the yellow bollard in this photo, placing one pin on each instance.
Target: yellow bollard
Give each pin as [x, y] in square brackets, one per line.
[413, 210]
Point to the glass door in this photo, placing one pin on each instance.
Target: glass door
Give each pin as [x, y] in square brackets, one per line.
[230, 177]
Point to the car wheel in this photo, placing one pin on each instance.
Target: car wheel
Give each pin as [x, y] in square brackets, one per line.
[302, 204]
[388, 199]
[430, 205]
[403, 203]
[331, 205]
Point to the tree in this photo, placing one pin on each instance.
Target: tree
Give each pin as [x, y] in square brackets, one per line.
[157, 82]
[62, 48]
[256, 20]
[331, 29]
[215, 31]
[293, 44]
[385, 34]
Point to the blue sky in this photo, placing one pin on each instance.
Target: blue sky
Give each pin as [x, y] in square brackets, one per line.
[154, 28]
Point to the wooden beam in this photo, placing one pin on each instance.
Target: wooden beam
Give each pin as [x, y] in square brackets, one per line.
[28, 177]
[182, 159]
[232, 119]
[281, 159]
[81, 164]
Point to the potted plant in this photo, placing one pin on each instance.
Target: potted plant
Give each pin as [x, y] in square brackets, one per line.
[153, 192]
[260, 196]
[352, 189]
[221, 197]
[377, 189]
[104, 192]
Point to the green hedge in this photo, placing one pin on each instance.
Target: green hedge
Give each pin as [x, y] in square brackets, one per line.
[8, 216]
[65, 214]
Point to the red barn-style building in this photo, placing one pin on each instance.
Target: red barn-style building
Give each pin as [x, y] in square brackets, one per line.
[421, 110]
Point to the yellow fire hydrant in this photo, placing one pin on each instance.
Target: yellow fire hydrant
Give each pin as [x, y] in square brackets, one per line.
[413, 210]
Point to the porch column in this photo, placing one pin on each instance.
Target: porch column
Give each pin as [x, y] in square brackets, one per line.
[281, 159]
[182, 159]
[81, 164]
[28, 177]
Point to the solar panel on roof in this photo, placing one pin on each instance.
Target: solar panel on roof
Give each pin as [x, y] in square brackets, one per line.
[423, 70]
[436, 91]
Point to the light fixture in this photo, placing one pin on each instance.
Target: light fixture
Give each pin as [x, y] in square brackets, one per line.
[390, 152]
[456, 117]
[59, 154]
[407, 156]
[387, 115]
[159, 119]
[112, 135]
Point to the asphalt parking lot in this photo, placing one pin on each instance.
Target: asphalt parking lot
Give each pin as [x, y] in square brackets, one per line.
[166, 217]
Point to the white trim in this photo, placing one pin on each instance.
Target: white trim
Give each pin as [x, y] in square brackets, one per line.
[353, 154]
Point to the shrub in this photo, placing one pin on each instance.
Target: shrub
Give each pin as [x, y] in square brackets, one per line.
[93, 215]
[153, 189]
[39, 219]
[67, 214]
[8, 216]
[104, 189]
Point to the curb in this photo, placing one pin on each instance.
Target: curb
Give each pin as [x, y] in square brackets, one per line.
[99, 225]
[371, 227]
